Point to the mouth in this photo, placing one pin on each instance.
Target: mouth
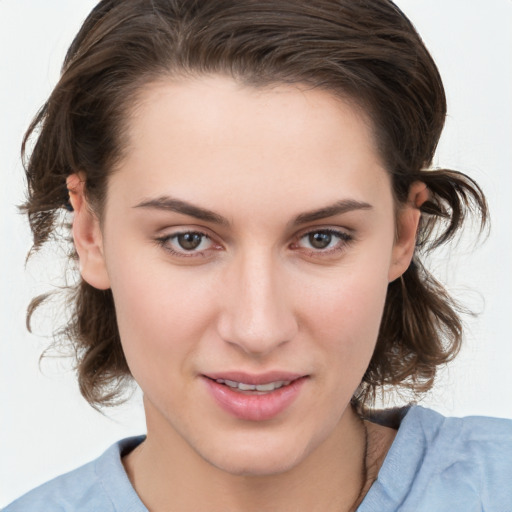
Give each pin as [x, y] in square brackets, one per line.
[254, 389]
[255, 397]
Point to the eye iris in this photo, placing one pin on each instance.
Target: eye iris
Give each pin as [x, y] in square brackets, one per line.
[320, 239]
[190, 241]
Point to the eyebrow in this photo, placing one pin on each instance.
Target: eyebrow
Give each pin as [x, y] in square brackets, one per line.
[338, 208]
[171, 204]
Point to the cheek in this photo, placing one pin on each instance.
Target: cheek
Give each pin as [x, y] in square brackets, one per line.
[346, 317]
[343, 324]
[161, 314]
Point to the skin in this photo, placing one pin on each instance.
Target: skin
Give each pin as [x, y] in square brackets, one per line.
[256, 295]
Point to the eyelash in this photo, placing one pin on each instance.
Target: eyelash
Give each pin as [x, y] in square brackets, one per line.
[164, 242]
[344, 239]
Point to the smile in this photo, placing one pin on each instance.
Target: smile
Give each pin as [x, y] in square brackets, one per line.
[242, 386]
[263, 398]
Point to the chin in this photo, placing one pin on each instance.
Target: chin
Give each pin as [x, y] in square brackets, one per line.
[257, 458]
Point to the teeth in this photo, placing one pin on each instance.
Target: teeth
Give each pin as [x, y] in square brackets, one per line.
[246, 387]
[242, 386]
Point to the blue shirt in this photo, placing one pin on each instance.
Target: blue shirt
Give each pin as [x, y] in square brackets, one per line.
[435, 464]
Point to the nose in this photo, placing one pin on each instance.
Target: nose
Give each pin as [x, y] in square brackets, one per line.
[258, 314]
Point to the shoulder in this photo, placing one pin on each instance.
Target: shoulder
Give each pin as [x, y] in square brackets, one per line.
[99, 485]
[439, 463]
[482, 442]
[472, 456]
[480, 429]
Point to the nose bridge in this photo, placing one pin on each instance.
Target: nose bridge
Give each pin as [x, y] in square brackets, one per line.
[259, 315]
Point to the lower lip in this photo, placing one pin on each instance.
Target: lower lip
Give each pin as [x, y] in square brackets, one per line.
[254, 407]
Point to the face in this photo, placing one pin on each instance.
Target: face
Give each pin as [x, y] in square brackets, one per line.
[249, 236]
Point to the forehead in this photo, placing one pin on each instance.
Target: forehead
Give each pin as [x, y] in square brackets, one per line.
[199, 106]
[209, 136]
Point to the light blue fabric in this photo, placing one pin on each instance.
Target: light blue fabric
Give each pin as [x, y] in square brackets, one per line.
[435, 464]
[439, 464]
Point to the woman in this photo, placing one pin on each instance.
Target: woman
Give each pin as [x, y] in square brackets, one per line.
[250, 201]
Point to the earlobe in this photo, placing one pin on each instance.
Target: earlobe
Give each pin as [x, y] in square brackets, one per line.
[87, 235]
[407, 227]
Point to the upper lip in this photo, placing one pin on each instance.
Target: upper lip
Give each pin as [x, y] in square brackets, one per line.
[252, 378]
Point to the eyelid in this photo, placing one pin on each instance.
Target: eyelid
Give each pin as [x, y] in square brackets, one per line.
[344, 235]
[164, 241]
[338, 231]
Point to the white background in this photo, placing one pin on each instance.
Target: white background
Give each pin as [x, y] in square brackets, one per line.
[46, 428]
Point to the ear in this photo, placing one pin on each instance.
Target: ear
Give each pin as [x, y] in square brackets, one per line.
[87, 235]
[407, 222]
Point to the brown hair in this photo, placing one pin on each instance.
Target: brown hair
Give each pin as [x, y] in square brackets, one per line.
[366, 51]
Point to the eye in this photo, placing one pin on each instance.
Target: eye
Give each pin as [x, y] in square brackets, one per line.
[187, 243]
[320, 239]
[190, 241]
[323, 241]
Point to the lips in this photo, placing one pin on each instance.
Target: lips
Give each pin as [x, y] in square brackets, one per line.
[248, 378]
[254, 397]
[263, 388]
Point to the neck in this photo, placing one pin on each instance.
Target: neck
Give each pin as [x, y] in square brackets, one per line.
[169, 475]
